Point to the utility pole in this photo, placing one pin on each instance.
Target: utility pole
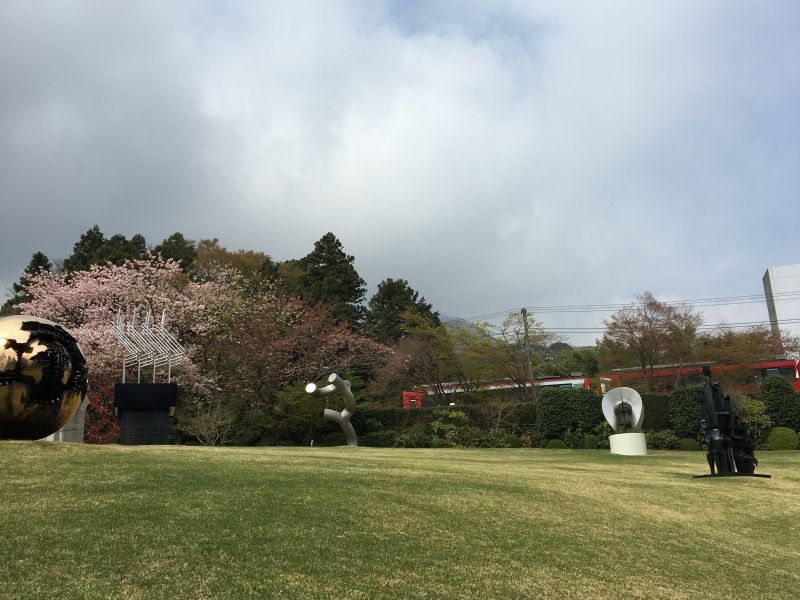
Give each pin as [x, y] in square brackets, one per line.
[527, 346]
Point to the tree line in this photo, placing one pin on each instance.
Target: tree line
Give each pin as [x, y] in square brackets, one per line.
[326, 276]
[258, 329]
[648, 332]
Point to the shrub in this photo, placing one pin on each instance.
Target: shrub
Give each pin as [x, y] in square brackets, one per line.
[573, 438]
[686, 408]
[603, 431]
[783, 405]
[253, 428]
[330, 437]
[414, 437]
[781, 438]
[530, 440]
[386, 438]
[556, 445]
[753, 413]
[510, 440]
[590, 441]
[662, 440]
[471, 437]
[688, 444]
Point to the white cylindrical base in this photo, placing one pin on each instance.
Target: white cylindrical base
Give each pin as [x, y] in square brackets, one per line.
[629, 444]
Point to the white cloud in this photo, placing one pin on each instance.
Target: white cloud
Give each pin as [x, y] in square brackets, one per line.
[494, 154]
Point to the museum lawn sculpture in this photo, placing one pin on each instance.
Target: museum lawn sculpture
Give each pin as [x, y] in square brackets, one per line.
[730, 448]
[43, 377]
[145, 408]
[624, 411]
[337, 384]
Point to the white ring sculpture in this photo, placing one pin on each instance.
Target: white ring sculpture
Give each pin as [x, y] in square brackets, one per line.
[336, 383]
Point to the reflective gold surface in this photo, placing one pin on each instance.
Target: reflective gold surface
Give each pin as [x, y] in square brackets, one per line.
[43, 377]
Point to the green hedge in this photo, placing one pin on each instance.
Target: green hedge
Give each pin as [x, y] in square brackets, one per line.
[516, 417]
[560, 410]
[662, 440]
[590, 441]
[686, 408]
[656, 411]
[783, 405]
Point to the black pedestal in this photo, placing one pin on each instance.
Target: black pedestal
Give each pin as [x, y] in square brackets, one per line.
[144, 411]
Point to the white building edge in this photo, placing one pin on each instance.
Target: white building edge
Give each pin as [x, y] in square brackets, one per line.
[782, 292]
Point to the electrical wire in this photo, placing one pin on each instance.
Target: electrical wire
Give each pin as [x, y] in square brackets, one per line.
[698, 302]
[594, 308]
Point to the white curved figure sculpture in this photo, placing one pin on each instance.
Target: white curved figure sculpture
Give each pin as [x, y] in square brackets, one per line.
[623, 395]
[336, 383]
[625, 401]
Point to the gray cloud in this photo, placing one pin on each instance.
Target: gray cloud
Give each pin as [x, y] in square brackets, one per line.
[494, 154]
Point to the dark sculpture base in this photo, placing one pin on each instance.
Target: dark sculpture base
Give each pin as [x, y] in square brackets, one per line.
[144, 411]
[733, 475]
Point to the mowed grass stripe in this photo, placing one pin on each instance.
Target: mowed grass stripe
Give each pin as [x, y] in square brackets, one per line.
[164, 522]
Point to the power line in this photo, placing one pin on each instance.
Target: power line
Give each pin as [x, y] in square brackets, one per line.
[588, 308]
[599, 330]
[706, 327]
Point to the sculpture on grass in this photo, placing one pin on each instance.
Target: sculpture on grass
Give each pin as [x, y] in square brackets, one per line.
[624, 411]
[337, 384]
[43, 377]
[730, 448]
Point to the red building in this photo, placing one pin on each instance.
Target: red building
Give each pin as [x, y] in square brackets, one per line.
[412, 399]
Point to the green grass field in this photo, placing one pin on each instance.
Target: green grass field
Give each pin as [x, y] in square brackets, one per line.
[185, 522]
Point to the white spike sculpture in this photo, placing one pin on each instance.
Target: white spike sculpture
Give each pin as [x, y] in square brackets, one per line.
[336, 383]
[147, 346]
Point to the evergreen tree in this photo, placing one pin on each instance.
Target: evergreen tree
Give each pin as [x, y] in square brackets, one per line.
[87, 251]
[94, 249]
[384, 316]
[330, 278]
[178, 248]
[118, 249]
[38, 262]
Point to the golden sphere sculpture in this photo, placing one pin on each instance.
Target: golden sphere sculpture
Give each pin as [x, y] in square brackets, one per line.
[43, 377]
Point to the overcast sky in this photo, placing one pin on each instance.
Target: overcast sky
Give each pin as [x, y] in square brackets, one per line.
[494, 154]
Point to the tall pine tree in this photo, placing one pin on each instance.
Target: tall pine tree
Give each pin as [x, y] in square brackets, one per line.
[38, 262]
[394, 298]
[177, 247]
[94, 249]
[330, 278]
[87, 251]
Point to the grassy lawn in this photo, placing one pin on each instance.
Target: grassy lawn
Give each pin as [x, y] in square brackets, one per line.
[182, 522]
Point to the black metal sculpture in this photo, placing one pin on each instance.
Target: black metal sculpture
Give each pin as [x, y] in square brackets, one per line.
[730, 448]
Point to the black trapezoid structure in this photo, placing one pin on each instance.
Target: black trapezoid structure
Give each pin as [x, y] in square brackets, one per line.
[731, 451]
[144, 411]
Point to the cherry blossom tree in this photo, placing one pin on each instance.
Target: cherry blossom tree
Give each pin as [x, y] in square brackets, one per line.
[86, 303]
[244, 342]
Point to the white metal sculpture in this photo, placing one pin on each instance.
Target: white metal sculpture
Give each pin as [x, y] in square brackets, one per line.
[336, 383]
[147, 346]
[622, 407]
[615, 409]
